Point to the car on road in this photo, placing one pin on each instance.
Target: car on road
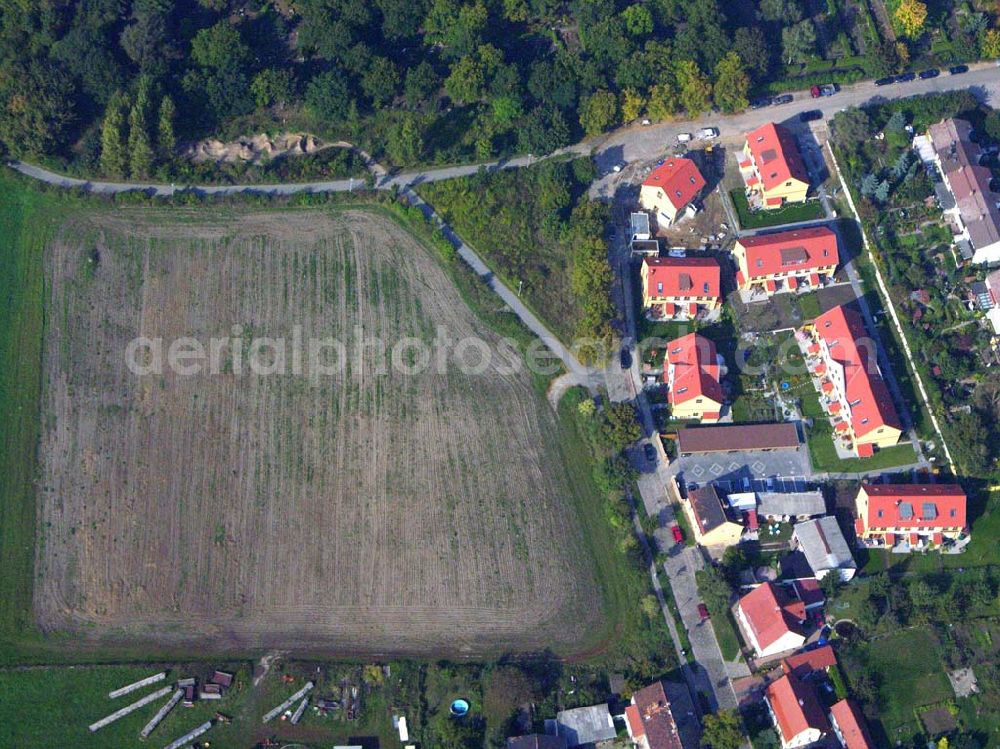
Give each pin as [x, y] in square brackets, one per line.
[826, 89]
[708, 133]
[677, 253]
[885, 81]
[810, 115]
[650, 452]
[619, 166]
[684, 137]
[702, 612]
[783, 99]
[926, 74]
[905, 77]
[625, 357]
[760, 103]
[646, 122]
[958, 69]
[678, 534]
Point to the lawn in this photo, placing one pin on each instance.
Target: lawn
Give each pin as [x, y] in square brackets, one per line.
[824, 454]
[789, 214]
[910, 674]
[727, 636]
[809, 306]
[25, 216]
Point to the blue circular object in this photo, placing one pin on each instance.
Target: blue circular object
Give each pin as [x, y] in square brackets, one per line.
[459, 708]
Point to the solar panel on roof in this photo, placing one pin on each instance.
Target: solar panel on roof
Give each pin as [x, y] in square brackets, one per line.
[928, 510]
[905, 510]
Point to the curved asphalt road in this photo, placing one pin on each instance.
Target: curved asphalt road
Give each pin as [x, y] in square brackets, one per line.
[630, 144]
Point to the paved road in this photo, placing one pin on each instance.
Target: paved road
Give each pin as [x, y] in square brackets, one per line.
[625, 144]
[639, 143]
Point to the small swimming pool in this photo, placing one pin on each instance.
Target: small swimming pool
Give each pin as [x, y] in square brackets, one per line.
[459, 708]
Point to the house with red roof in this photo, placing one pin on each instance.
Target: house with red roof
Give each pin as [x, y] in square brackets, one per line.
[914, 516]
[797, 260]
[650, 720]
[670, 188]
[844, 360]
[771, 620]
[848, 723]
[692, 373]
[804, 665]
[680, 288]
[772, 168]
[796, 712]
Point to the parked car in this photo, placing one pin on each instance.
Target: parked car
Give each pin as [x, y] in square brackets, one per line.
[702, 611]
[905, 77]
[647, 121]
[626, 358]
[810, 115]
[760, 103]
[826, 89]
[885, 81]
[684, 137]
[677, 253]
[783, 99]
[926, 74]
[650, 452]
[708, 133]
[678, 534]
[958, 69]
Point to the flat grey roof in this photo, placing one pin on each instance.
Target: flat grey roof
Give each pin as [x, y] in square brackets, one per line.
[771, 504]
[586, 725]
[823, 544]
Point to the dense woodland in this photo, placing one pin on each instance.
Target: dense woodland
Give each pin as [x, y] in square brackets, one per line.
[114, 86]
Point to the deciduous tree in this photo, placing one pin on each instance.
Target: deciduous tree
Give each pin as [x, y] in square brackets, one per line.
[638, 20]
[695, 88]
[910, 17]
[598, 112]
[632, 104]
[722, 731]
[731, 84]
[799, 41]
[165, 140]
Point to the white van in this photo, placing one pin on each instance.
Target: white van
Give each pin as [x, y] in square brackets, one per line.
[684, 137]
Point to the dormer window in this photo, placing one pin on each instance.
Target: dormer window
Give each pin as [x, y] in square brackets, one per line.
[659, 287]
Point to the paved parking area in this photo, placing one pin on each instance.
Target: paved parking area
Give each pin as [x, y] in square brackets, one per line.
[743, 469]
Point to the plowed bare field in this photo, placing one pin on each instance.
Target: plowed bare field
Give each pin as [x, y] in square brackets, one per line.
[354, 513]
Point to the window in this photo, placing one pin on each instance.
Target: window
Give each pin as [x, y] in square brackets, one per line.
[788, 183]
[705, 287]
[880, 513]
[682, 390]
[864, 420]
[826, 253]
[953, 513]
[659, 287]
[760, 262]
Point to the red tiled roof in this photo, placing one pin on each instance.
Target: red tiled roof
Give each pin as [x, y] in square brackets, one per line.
[853, 728]
[771, 613]
[915, 506]
[793, 283]
[814, 279]
[804, 664]
[636, 729]
[790, 251]
[866, 450]
[682, 276]
[867, 395]
[752, 522]
[693, 359]
[776, 155]
[835, 407]
[708, 439]
[657, 719]
[890, 539]
[938, 538]
[679, 179]
[795, 706]
[774, 201]
[809, 591]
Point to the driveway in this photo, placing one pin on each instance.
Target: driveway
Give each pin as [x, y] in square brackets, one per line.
[680, 569]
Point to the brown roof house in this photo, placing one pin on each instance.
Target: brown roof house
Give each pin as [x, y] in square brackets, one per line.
[975, 213]
[650, 720]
